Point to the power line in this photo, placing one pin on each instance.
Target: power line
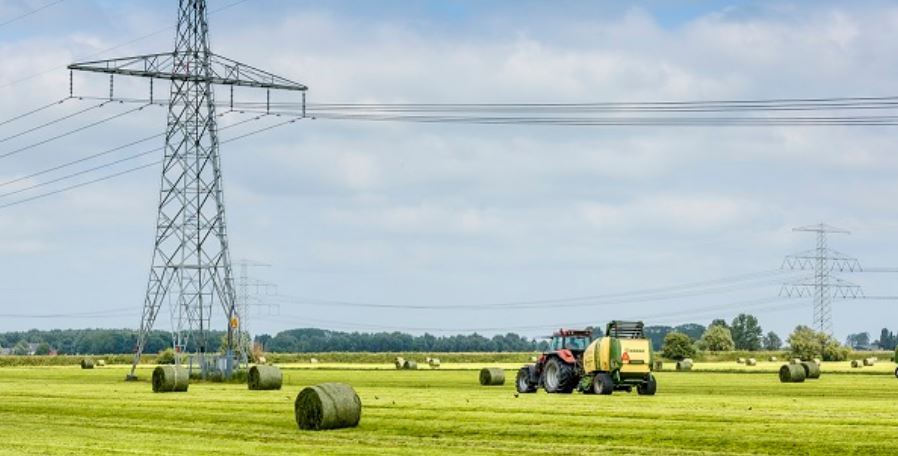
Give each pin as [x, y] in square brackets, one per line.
[107, 152]
[29, 13]
[80, 160]
[90, 314]
[649, 295]
[737, 305]
[53, 122]
[35, 111]
[558, 114]
[70, 132]
[120, 173]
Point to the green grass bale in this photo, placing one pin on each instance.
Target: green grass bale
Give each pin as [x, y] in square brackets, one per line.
[792, 373]
[327, 406]
[170, 379]
[684, 365]
[410, 365]
[492, 376]
[811, 369]
[87, 363]
[262, 378]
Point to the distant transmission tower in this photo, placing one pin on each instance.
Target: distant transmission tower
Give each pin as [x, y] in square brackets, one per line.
[249, 290]
[823, 286]
[191, 268]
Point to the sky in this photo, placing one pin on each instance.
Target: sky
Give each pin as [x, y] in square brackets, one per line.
[450, 220]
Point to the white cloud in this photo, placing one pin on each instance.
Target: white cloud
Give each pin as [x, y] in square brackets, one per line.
[467, 213]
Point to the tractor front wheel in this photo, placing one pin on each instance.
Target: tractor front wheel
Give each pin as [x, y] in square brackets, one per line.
[523, 383]
[648, 388]
[558, 376]
[602, 383]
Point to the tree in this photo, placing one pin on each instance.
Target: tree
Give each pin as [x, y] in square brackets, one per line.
[21, 348]
[693, 330]
[42, 349]
[716, 338]
[747, 332]
[858, 341]
[166, 356]
[807, 344]
[677, 346]
[263, 340]
[719, 322]
[887, 340]
[656, 334]
[772, 341]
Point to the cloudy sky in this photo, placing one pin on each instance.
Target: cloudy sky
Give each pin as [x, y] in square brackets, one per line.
[452, 219]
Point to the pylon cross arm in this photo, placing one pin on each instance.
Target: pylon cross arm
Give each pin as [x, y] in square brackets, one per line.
[222, 70]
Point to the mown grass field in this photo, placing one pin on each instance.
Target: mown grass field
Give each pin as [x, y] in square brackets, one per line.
[66, 410]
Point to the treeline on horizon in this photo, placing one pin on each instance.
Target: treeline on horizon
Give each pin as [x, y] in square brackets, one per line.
[744, 333]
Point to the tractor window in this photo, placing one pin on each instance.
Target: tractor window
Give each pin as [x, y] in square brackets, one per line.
[557, 343]
[577, 343]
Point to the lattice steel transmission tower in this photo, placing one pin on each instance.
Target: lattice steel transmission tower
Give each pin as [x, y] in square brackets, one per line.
[191, 267]
[248, 298]
[823, 285]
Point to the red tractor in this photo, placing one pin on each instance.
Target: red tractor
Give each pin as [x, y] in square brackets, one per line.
[557, 369]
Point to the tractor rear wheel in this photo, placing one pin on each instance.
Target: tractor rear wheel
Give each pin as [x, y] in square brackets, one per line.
[648, 388]
[602, 383]
[558, 376]
[523, 383]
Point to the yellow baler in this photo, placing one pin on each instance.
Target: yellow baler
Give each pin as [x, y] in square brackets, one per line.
[621, 360]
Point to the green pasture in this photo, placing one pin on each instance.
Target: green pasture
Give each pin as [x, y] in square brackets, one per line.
[66, 410]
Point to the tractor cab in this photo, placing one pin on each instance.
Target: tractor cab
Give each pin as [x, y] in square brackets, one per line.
[570, 339]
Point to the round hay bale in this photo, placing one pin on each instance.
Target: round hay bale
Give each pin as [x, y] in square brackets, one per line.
[170, 379]
[434, 363]
[410, 365]
[327, 406]
[492, 376]
[313, 361]
[751, 362]
[811, 369]
[740, 360]
[399, 362]
[792, 373]
[795, 361]
[857, 363]
[101, 362]
[684, 365]
[262, 360]
[772, 359]
[264, 378]
[427, 360]
[870, 361]
[87, 364]
[659, 365]
[817, 361]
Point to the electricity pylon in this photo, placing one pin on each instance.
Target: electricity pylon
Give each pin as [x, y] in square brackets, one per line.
[248, 297]
[191, 268]
[823, 286]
